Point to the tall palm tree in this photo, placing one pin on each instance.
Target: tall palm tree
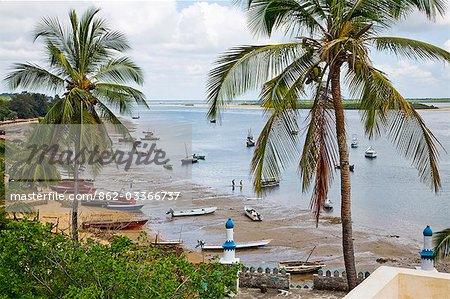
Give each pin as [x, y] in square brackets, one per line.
[85, 61]
[330, 45]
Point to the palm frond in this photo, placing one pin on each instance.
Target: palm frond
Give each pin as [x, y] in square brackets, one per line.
[410, 48]
[383, 107]
[441, 244]
[265, 16]
[120, 70]
[33, 77]
[320, 152]
[110, 89]
[245, 68]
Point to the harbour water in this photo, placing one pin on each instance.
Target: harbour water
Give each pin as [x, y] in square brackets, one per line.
[387, 195]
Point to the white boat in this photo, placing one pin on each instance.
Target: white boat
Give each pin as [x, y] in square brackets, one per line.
[250, 141]
[188, 159]
[327, 205]
[240, 245]
[253, 214]
[192, 212]
[355, 142]
[122, 207]
[370, 153]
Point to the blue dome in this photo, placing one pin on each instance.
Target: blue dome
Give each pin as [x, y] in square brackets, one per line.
[427, 231]
[229, 223]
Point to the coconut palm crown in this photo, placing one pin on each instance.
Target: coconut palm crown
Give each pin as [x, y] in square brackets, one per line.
[330, 43]
[84, 60]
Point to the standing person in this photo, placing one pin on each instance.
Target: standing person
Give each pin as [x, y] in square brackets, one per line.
[240, 184]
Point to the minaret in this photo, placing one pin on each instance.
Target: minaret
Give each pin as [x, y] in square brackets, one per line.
[426, 255]
[229, 247]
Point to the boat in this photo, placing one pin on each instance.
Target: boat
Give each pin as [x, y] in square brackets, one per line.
[115, 225]
[355, 142]
[327, 205]
[199, 157]
[71, 189]
[188, 159]
[168, 166]
[213, 121]
[149, 137]
[240, 245]
[253, 214]
[270, 183]
[300, 267]
[192, 212]
[250, 141]
[158, 150]
[370, 153]
[127, 139]
[351, 167]
[166, 242]
[148, 132]
[135, 116]
[124, 207]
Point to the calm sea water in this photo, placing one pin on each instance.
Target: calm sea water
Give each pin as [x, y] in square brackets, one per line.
[386, 192]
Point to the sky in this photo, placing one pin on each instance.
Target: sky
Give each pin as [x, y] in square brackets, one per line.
[176, 43]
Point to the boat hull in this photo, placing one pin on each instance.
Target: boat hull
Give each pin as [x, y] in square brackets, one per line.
[298, 267]
[115, 225]
[125, 207]
[240, 246]
[192, 212]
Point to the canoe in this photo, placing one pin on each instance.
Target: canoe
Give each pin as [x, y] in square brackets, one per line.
[103, 203]
[299, 267]
[192, 212]
[253, 214]
[124, 207]
[240, 245]
[115, 225]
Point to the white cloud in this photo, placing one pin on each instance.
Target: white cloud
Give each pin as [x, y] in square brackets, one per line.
[174, 44]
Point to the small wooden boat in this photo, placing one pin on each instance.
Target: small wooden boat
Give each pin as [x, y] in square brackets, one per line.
[327, 205]
[355, 142]
[103, 203]
[127, 139]
[115, 225]
[252, 214]
[71, 190]
[166, 242]
[213, 121]
[125, 207]
[370, 153]
[192, 212]
[168, 166]
[135, 116]
[199, 157]
[270, 183]
[300, 267]
[240, 245]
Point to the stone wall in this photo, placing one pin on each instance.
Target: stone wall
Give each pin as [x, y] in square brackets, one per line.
[250, 277]
[334, 281]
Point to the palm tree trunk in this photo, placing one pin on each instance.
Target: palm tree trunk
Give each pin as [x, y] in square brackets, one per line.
[346, 217]
[76, 187]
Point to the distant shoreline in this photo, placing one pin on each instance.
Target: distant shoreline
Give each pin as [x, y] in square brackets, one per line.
[307, 105]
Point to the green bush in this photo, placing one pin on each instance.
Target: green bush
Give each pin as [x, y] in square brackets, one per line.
[34, 263]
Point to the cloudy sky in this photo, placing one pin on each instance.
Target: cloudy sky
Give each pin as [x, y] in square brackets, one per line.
[175, 42]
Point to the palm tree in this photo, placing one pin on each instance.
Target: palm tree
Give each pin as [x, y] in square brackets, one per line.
[85, 60]
[441, 243]
[329, 38]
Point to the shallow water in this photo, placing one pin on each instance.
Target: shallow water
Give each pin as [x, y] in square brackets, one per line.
[387, 195]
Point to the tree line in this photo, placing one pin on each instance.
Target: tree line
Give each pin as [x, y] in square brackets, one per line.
[25, 105]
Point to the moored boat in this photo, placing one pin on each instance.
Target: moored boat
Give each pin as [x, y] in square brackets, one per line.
[327, 205]
[115, 225]
[355, 142]
[188, 160]
[124, 207]
[168, 166]
[192, 212]
[300, 267]
[370, 153]
[199, 157]
[253, 214]
[269, 183]
[240, 245]
[250, 141]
